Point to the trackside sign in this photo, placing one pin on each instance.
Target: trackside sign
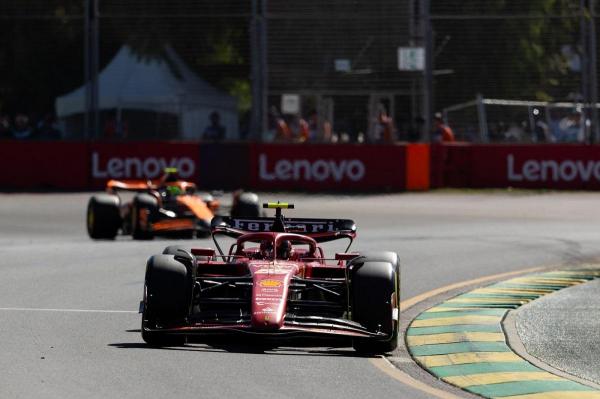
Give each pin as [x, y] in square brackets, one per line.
[141, 161]
[547, 170]
[549, 166]
[140, 168]
[317, 170]
[327, 167]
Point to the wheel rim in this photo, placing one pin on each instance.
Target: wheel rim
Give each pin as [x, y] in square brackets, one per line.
[90, 219]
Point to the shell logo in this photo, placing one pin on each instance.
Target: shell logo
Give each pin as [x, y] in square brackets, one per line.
[270, 283]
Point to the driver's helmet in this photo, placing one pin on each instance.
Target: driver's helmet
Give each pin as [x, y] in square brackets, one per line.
[170, 175]
[170, 191]
[266, 248]
[174, 190]
[284, 249]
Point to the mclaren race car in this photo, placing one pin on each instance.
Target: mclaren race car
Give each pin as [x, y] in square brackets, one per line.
[166, 206]
[275, 280]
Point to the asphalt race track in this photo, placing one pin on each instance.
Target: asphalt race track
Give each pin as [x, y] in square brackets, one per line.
[69, 326]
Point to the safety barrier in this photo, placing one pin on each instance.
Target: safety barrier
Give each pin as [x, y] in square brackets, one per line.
[553, 166]
[308, 167]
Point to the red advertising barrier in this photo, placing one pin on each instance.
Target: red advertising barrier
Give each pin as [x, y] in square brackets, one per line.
[143, 160]
[557, 166]
[327, 167]
[43, 165]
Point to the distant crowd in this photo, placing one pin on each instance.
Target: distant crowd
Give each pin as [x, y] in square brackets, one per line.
[22, 127]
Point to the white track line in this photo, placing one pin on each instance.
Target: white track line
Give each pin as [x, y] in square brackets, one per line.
[69, 310]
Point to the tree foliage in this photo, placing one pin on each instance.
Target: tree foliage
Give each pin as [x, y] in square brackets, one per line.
[42, 44]
[516, 57]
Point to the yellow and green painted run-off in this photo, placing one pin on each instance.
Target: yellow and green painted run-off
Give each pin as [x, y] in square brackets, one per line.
[461, 341]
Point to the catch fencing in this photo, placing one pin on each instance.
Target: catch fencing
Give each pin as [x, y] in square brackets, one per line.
[165, 67]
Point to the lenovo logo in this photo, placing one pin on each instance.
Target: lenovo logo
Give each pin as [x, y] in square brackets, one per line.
[319, 170]
[140, 168]
[556, 171]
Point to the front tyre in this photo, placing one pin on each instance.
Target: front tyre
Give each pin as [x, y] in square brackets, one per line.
[375, 298]
[167, 298]
[102, 218]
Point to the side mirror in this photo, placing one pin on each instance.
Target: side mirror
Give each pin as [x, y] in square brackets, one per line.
[345, 255]
[203, 252]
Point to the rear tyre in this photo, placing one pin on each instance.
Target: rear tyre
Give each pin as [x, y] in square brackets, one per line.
[143, 213]
[375, 297]
[103, 219]
[167, 297]
[246, 206]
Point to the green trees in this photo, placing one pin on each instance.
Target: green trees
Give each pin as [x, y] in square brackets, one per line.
[505, 49]
[42, 52]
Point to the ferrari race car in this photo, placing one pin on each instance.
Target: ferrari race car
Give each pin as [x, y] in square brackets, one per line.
[274, 280]
[166, 206]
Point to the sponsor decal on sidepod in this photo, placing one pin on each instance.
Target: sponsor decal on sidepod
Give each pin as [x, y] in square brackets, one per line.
[314, 170]
[140, 168]
[549, 170]
[270, 283]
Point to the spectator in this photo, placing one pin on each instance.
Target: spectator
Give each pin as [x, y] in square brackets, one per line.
[215, 131]
[313, 126]
[299, 129]
[282, 129]
[383, 131]
[572, 128]
[5, 131]
[46, 128]
[22, 129]
[442, 133]
[541, 131]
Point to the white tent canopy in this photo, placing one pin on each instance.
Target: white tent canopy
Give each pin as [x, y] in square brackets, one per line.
[157, 85]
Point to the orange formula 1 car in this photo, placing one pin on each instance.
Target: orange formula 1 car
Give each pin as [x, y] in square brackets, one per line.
[167, 206]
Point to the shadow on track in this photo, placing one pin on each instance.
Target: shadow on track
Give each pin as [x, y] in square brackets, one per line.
[256, 345]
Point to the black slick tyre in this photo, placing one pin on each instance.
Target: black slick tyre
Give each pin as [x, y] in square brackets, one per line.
[246, 206]
[167, 298]
[375, 299]
[103, 219]
[143, 212]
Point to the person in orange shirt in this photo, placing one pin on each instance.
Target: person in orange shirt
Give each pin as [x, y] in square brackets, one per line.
[442, 132]
[282, 130]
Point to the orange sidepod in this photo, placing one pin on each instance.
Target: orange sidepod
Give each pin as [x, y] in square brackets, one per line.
[173, 224]
[133, 185]
[196, 205]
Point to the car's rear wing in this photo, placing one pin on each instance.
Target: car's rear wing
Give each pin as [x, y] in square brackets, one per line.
[321, 230]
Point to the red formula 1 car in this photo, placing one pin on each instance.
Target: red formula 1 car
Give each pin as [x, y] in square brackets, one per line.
[274, 280]
[166, 206]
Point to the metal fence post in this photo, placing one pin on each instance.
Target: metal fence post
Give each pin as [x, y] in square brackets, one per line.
[255, 133]
[585, 66]
[593, 72]
[260, 73]
[86, 68]
[428, 73]
[91, 54]
[264, 46]
[482, 118]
